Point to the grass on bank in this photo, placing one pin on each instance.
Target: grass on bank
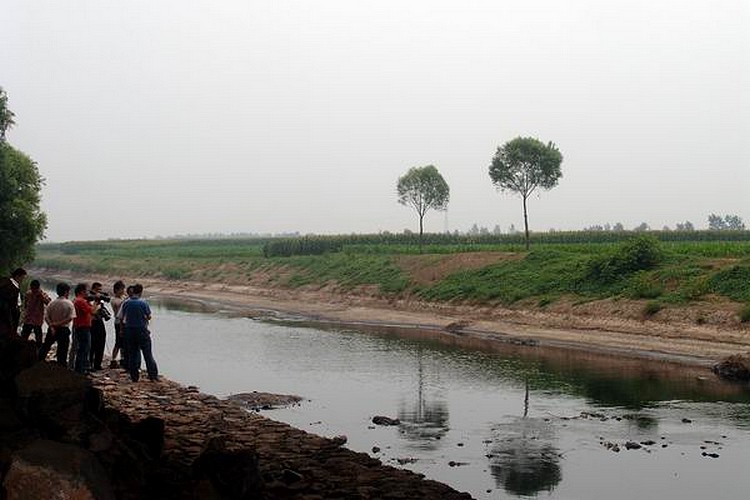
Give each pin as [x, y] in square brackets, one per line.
[670, 272]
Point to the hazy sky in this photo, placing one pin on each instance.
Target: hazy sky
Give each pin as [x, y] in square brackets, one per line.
[163, 117]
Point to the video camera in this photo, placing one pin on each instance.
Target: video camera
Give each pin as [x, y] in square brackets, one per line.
[100, 297]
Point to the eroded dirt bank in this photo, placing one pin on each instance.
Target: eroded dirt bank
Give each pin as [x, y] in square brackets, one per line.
[698, 335]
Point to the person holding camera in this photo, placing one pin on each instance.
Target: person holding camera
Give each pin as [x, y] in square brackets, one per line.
[34, 303]
[85, 310]
[98, 329]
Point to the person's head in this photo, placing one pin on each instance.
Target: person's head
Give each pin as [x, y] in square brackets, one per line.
[96, 287]
[63, 289]
[80, 289]
[18, 274]
[118, 287]
[129, 290]
[35, 285]
[137, 289]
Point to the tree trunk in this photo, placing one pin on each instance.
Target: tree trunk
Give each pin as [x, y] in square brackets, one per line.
[526, 222]
[421, 230]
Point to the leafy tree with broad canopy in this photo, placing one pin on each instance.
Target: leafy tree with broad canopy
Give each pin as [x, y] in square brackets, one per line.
[423, 188]
[524, 164]
[22, 223]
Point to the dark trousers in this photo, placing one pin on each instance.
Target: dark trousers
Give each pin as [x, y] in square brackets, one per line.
[37, 329]
[61, 335]
[138, 340]
[82, 336]
[98, 339]
[120, 342]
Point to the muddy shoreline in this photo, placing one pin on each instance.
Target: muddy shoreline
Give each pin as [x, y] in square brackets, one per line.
[673, 341]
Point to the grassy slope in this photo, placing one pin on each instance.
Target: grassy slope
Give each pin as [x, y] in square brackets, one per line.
[683, 272]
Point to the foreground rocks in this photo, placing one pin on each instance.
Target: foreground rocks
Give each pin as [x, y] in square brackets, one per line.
[68, 436]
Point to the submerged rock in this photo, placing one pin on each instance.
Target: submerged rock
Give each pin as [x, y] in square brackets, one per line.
[264, 400]
[381, 420]
[735, 368]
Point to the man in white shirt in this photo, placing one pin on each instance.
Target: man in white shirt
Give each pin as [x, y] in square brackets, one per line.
[59, 317]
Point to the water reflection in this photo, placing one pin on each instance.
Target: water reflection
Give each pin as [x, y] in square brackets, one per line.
[523, 459]
[423, 421]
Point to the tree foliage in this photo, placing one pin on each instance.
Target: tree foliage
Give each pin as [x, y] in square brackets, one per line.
[22, 222]
[524, 164]
[423, 189]
[729, 222]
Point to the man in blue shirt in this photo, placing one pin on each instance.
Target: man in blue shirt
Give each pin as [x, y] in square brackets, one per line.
[136, 314]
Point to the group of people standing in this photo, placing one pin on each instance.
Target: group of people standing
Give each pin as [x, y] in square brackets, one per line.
[81, 320]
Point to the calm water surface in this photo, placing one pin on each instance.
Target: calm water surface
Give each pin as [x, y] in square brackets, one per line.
[513, 423]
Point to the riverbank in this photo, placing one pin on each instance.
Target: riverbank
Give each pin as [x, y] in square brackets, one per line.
[610, 326]
[65, 435]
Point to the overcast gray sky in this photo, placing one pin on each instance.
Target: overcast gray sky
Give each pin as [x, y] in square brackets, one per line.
[163, 117]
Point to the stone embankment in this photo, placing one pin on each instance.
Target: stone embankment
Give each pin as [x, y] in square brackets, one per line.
[68, 436]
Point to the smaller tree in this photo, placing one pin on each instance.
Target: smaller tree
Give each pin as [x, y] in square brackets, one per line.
[729, 222]
[524, 164]
[423, 189]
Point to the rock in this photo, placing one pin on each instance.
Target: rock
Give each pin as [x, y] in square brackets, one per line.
[54, 399]
[687, 421]
[290, 476]
[264, 400]
[632, 445]
[457, 326]
[339, 440]
[232, 473]
[48, 469]
[735, 368]
[376, 449]
[381, 420]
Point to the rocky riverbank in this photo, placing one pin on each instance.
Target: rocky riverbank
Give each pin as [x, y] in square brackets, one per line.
[102, 436]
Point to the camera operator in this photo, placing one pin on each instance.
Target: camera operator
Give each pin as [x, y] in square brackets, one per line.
[98, 329]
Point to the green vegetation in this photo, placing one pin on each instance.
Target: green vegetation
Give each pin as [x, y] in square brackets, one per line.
[22, 222]
[521, 166]
[658, 267]
[423, 189]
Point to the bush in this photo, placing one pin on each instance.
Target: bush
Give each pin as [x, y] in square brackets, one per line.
[745, 314]
[733, 282]
[652, 308]
[643, 288]
[638, 254]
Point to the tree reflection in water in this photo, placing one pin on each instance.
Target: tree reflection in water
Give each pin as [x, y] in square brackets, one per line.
[523, 459]
[423, 422]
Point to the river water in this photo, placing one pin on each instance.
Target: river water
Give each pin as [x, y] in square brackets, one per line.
[497, 422]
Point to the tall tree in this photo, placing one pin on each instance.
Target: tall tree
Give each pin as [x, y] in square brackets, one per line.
[423, 189]
[524, 164]
[22, 223]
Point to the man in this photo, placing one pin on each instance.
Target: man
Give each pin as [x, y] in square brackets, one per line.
[10, 303]
[59, 317]
[82, 328]
[118, 297]
[34, 302]
[98, 329]
[136, 314]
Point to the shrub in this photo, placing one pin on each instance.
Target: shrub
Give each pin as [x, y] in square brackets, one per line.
[643, 288]
[638, 254]
[652, 308]
[733, 282]
[745, 314]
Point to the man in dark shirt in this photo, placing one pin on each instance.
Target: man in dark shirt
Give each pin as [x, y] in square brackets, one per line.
[136, 314]
[10, 303]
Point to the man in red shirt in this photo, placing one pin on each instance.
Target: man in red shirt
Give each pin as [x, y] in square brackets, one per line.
[82, 328]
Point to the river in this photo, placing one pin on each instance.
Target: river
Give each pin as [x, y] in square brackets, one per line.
[496, 421]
